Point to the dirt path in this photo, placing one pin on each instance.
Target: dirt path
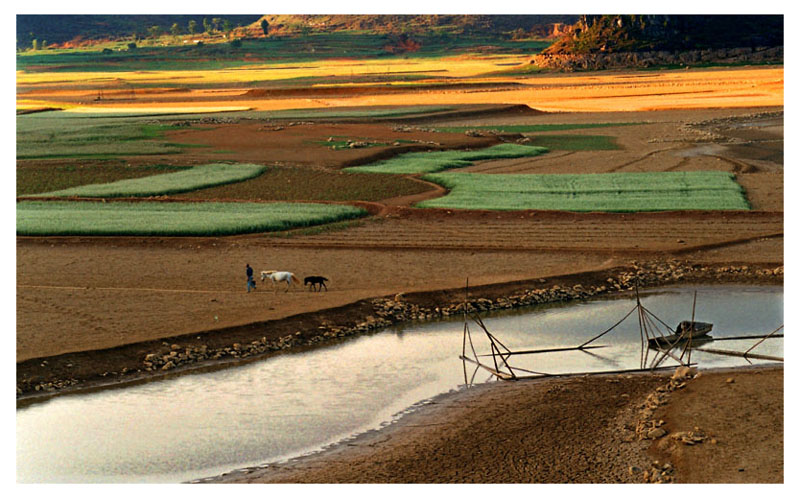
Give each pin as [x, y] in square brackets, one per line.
[436, 191]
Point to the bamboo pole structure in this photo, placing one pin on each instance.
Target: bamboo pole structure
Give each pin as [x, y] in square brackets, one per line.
[605, 332]
[765, 338]
[668, 353]
[747, 354]
[749, 337]
[739, 354]
[665, 352]
[644, 334]
[553, 349]
[607, 372]
[494, 342]
[687, 348]
[498, 374]
[650, 328]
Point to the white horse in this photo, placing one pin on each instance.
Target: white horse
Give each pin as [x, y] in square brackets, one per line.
[277, 276]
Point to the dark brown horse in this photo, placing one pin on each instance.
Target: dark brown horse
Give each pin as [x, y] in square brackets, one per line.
[314, 281]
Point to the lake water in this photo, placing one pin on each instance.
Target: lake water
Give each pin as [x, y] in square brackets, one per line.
[200, 425]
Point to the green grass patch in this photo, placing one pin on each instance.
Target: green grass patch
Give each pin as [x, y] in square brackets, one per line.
[435, 161]
[619, 192]
[198, 177]
[40, 178]
[57, 134]
[172, 219]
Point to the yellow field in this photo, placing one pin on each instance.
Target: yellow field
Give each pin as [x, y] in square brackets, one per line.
[603, 91]
[455, 67]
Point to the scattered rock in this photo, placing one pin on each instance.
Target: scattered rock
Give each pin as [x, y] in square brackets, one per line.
[683, 372]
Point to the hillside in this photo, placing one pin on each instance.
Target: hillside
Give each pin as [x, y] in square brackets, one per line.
[639, 33]
[541, 25]
[75, 30]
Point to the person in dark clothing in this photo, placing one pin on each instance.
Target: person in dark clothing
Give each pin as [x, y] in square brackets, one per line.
[251, 283]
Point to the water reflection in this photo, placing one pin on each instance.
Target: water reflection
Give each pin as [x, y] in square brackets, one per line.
[205, 424]
[529, 338]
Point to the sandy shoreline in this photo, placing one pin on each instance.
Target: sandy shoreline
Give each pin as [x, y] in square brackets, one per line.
[587, 429]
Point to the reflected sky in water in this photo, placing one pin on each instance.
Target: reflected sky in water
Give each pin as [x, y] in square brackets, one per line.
[204, 424]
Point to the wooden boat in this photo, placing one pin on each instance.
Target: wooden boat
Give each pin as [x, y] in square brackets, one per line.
[698, 330]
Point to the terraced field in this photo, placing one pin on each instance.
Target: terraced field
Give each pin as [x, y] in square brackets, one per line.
[606, 234]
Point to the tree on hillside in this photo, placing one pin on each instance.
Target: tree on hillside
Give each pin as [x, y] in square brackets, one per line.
[154, 31]
[206, 25]
[519, 34]
[215, 22]
[175, 29]
[227, 26]
[265, 27]
[192, 27]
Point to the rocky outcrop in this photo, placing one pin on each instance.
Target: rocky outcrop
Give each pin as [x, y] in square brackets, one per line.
[617, 60]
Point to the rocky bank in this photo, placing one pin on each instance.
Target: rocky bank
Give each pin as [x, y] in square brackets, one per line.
[46, 377]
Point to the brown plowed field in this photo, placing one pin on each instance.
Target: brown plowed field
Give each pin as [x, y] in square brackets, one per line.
[306, 144]
[603, 234]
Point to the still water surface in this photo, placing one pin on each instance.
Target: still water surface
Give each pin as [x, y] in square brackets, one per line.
[205, 424]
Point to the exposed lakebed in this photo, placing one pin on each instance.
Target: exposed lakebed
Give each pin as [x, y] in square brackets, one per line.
[204, 424]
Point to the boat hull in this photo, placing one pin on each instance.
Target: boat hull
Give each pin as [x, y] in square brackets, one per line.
[697, 331]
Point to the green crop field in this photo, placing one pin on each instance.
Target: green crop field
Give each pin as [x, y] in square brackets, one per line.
[56, 134]
[201, 176]
[33, 177]
[35, 218]
[621, 192]
[435, 161]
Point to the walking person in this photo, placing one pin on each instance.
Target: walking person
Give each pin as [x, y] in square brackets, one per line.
[251, 283]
